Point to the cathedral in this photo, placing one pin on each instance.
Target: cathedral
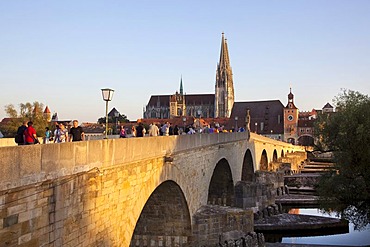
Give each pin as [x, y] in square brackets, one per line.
[214, 105]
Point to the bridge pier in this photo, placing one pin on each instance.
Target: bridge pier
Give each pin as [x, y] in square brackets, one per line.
[214, 224]
[260, 194]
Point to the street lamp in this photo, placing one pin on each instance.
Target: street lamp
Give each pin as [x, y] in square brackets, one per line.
[236, 124]
[107, 96]
[256, 126]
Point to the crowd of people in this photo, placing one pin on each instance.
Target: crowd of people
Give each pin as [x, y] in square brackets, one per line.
[26, 134]
[168, 129]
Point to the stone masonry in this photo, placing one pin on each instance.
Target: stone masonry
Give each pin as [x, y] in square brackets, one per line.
[92, 193]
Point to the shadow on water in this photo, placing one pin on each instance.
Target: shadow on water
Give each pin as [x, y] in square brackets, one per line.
[278, 236]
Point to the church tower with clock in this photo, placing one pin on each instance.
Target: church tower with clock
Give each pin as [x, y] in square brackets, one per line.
[291, 120]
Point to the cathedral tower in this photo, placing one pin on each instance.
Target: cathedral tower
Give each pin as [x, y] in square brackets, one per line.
[224, 89]
[177, 103]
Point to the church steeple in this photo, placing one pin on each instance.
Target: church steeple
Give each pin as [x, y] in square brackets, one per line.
[224, 88]
[181, 88]
[224, 54]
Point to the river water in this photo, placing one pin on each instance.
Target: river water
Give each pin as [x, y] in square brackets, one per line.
[354, 238]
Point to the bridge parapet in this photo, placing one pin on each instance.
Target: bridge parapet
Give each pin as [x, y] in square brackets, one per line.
[24, 165]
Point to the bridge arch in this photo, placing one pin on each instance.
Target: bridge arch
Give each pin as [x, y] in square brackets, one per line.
[282, 153]
[248, 167]
[264, 161]
[306, 140]
[165, 214]
[274, 156]
[221, 188]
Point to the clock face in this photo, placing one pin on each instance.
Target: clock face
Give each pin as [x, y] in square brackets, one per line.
[290, 117]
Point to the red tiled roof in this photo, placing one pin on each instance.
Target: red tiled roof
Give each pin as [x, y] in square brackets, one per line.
[46, 110]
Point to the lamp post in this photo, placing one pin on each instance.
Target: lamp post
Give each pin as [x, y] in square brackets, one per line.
[107, 96]
[116, 114]
[236, 124]
[256, 126]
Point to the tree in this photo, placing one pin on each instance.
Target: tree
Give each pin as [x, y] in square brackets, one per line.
[346, 133]
[27, 112]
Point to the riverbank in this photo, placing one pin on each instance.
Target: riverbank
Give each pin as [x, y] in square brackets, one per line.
[297, 199]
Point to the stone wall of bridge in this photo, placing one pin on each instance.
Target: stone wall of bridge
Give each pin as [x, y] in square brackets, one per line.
[93, 193]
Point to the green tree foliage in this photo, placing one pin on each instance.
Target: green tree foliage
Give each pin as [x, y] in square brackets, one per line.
[346, 133]
[26, 112]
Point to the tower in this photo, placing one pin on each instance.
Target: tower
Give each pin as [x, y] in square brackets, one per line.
[291, 120]
[177, 103]
[47, 114]
[224, 88]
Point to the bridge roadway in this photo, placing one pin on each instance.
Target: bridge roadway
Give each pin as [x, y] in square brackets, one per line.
[113, 191]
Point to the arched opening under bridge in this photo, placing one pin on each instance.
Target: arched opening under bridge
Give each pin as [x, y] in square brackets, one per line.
[248, 167]
[274, 156]
[264, 161]
[306, 140]
[221, 188]
[165, 214]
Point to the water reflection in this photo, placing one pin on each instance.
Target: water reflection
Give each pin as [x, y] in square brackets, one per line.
[337, 236]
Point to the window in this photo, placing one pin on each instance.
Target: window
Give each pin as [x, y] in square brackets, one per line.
[279, 119]
[262, 126]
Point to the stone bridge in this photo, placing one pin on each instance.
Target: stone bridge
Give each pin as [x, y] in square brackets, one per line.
[150, 191]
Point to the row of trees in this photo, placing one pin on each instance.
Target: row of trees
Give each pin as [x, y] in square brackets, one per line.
[34, 112]
[27, 112]
[346, 133]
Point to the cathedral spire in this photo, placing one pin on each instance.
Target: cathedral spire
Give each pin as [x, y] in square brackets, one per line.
[181, 88]
[224, 54]
[224, 89]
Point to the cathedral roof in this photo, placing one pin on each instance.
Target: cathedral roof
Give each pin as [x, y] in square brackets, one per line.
[190, 99]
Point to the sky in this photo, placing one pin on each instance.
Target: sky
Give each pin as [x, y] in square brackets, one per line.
[62, 53]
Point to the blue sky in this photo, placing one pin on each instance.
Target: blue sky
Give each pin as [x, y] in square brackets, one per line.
[61, 53]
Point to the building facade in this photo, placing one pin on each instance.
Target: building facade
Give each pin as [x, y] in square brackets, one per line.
[265, 117]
